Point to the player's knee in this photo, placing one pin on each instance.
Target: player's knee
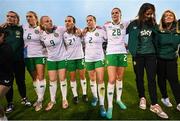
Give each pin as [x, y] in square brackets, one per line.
[40, 75]
[82, 76]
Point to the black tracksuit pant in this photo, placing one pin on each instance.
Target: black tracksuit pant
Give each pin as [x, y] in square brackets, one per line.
[167, 70]
[19, 75]
[147, 62]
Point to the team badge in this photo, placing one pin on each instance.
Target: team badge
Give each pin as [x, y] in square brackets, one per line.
[18, 33]
[36, 31]
[102, 62]
[135, 27]
[56, 34]
[96, 34]
[121, 26]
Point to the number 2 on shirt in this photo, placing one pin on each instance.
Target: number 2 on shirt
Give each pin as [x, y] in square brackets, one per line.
[90, 39]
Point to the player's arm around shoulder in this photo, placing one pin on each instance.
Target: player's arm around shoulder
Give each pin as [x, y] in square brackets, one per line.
[78, 32]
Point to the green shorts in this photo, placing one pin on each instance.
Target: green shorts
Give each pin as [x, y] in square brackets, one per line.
[73, 65]
[56, 65]
[119, 60]
[93, 65]
[32, 62]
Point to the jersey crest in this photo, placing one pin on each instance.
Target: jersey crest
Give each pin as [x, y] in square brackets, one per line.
[36, 31]
[121, 26]
[96, 34]
[56, 35]
[18, 34]
[134, 27]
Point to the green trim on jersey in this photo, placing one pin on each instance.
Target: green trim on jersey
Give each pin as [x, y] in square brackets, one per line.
[56, 65]
[73, 65]
[119, 60]
[32, 62]
[93, 65]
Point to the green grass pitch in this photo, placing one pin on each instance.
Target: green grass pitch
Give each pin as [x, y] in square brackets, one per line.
[83, 110]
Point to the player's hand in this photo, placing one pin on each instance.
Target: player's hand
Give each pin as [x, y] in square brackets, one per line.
[78, 32]
[85, 30]
[107, 22]
[98, 27]
[4, 25]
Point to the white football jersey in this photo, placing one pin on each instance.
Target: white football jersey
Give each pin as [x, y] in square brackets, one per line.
[54, 44]
[73, 46]
[93, 45]
[32, 44]
[116, 38]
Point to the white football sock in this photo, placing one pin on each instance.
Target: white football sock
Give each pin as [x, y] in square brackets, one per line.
[74, 88]
[41, 89]
[84, 87]
[93, 86]
[63, 85]
[101, 92]
[53, 89]
[119, 85]
[110, 93]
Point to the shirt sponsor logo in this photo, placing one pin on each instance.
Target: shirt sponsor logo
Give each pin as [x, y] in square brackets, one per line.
[146, 33]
